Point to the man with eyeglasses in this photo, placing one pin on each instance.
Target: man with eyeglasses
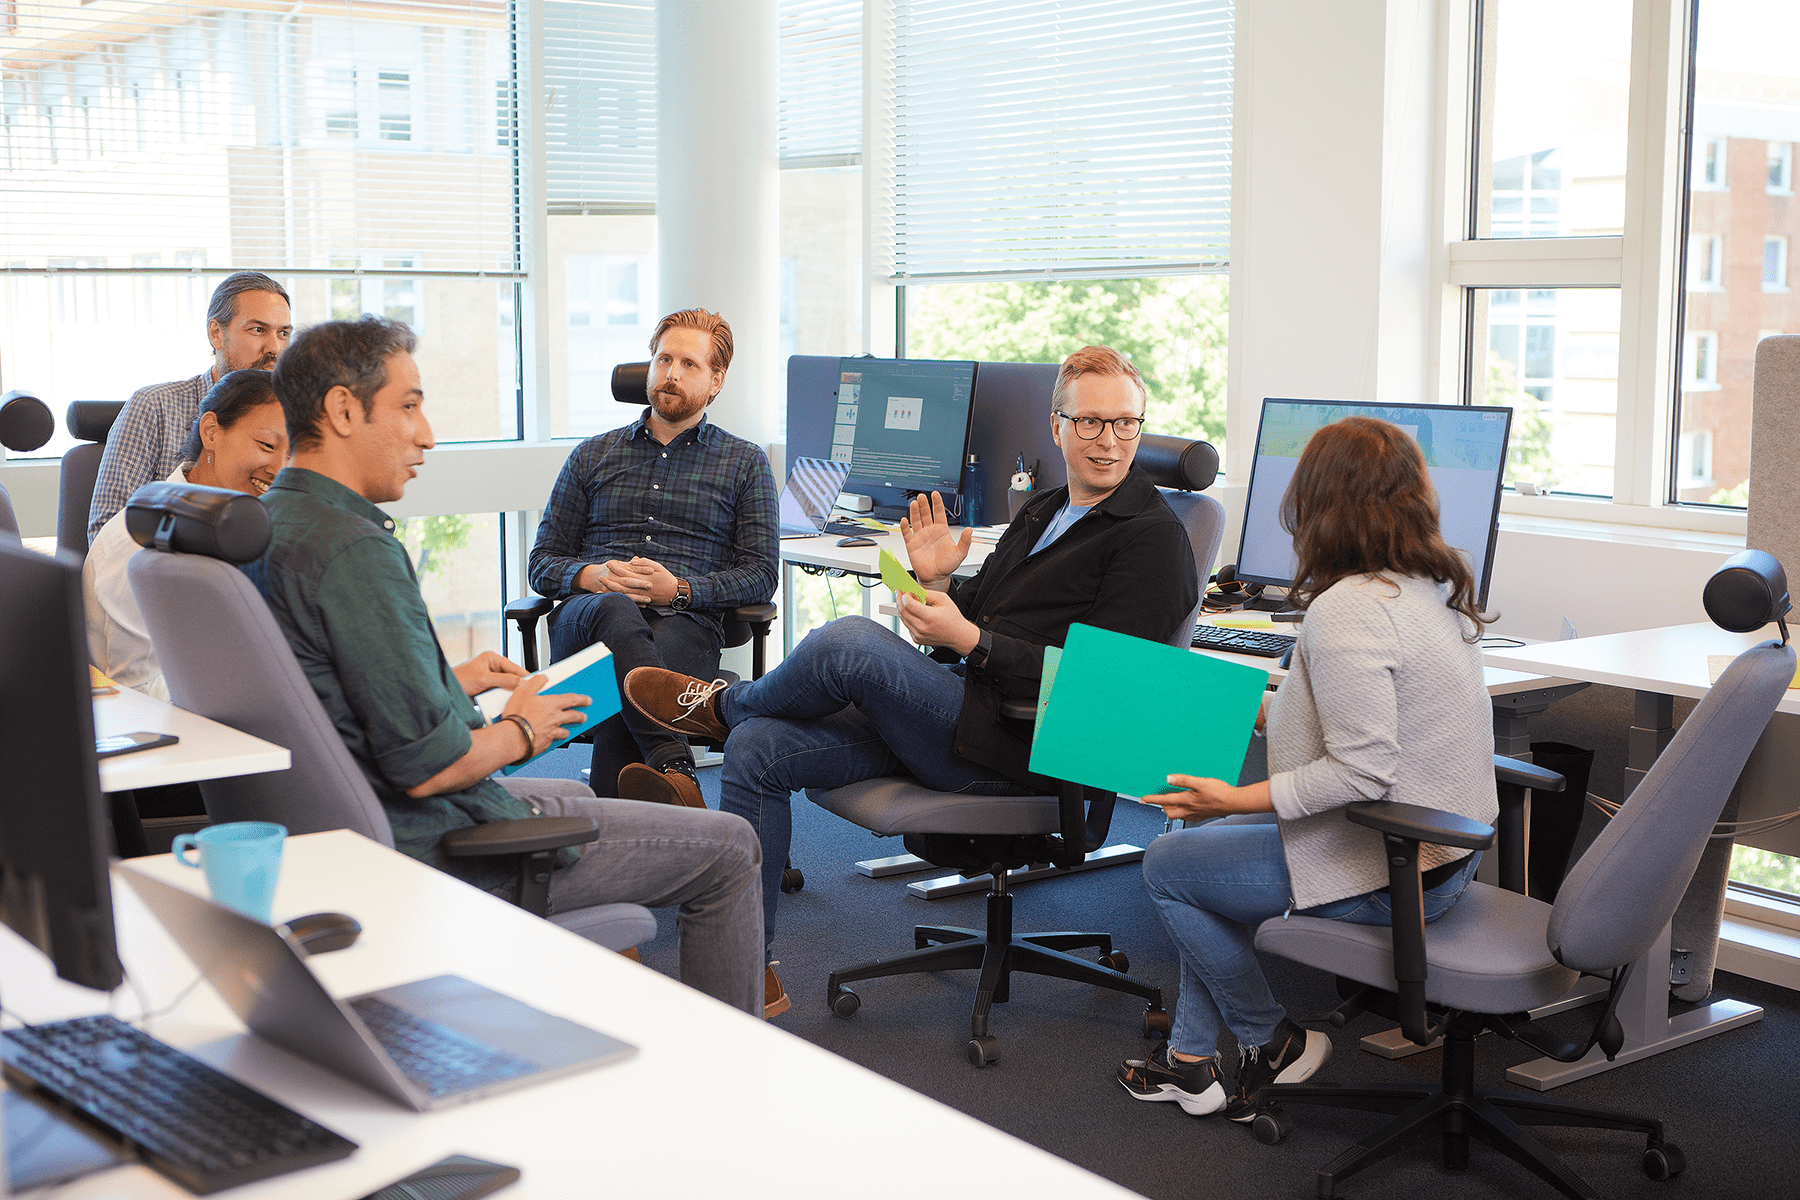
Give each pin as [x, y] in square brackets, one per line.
[856, 701]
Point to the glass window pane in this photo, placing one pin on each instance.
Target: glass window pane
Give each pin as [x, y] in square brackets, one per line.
[1552, 115]
[1740, 204]
[457, 559]
[821, 278]
[1555, 363]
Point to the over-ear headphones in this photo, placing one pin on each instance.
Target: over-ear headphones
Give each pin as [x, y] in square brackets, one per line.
[1228, 591]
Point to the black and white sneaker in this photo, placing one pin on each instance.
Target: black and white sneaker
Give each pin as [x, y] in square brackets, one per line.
[1291, 1056]
[1195, 1086]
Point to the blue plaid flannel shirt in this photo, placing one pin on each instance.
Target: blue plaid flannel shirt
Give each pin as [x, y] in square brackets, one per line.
[703, 506]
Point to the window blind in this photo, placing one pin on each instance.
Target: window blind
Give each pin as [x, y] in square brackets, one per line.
[821, 83]
[600, 113]
[320, 138]
[1059, 138]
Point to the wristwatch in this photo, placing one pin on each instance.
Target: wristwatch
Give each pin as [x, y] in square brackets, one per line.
[984, 646]
[684, 596]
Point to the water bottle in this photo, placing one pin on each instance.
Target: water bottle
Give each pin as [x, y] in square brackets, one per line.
[974, 485]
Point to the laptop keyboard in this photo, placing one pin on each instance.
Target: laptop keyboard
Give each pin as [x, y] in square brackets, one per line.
[435, 1057]
[198, 1126]
[851, 529]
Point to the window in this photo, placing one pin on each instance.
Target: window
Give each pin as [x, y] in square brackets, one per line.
[1706, 262]
[1709, 164]
[1774, 263]
[1781, 168]
[1694, 467]
[1702, 360]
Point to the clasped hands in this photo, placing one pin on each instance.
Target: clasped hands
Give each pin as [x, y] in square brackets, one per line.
[643, 579]
[935, 553]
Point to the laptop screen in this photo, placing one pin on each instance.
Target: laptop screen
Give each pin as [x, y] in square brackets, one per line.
[812, 489]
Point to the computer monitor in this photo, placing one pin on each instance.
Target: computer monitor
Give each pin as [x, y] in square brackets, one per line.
[54, 887]
[903, 424]
[1465, 452]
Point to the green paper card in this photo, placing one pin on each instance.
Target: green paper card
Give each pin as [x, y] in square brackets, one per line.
[898, 577]
[1123, 714]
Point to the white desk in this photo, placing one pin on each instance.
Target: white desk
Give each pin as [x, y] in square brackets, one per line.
[207, 749]
[716, 1104]
[1656, 664]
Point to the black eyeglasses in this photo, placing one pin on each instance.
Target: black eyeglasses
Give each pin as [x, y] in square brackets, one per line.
[1088, 428]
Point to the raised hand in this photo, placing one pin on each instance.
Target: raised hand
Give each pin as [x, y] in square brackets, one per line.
[933, 550]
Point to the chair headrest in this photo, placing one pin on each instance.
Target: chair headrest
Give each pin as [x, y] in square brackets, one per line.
[1183, 464]
[629, 381]
[189, 519]
[25, 422]
[1749, 590]
[92, 420]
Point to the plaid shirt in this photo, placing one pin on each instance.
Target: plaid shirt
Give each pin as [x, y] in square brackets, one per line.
[703, 506]
[145, 443]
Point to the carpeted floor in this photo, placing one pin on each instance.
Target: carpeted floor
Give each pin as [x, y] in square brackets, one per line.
[1722, 1099]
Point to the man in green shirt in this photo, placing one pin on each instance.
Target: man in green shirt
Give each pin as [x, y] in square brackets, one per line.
[343, 591]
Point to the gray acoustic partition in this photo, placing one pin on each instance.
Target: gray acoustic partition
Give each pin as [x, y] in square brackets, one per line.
[1775, 451]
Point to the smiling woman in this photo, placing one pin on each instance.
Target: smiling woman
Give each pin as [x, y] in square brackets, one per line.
[238, 442]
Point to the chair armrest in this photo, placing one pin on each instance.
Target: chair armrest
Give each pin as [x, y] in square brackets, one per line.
[1019, 710]
[1416, 823]
[755, 614]
[1523, 774]
[531, 835]
[529, 608]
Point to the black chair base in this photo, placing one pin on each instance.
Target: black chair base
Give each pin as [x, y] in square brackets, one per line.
[996, 953]
[1458, 1111]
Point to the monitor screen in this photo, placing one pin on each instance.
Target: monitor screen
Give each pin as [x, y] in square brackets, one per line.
[54, 888]
[903, 423]
[1465, 451]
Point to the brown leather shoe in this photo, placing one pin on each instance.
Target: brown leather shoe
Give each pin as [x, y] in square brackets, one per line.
[775, 997]
[679, 703]
[640, 782]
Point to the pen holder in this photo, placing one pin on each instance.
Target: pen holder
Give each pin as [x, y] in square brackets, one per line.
[1014, 502]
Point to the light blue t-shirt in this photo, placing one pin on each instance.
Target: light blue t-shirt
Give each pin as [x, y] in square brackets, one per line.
[1065, 516]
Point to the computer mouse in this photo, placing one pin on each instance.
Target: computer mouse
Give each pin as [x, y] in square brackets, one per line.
[856, 541]
[321, 933]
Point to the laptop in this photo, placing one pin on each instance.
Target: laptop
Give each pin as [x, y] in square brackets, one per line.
[432, 1044]
[812, 490]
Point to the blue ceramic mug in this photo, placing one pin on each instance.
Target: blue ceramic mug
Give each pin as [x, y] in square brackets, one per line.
[242, 861]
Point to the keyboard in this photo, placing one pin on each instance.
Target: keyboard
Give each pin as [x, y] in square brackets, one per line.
[851, 529]
[435, 1057]
[202, 1129]
[1260, 642]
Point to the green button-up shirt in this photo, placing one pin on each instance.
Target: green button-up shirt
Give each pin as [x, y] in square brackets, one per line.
[343, 591]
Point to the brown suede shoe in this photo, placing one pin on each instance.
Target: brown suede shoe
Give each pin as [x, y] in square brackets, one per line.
[679, 703]
[775, 997]
[640, 782]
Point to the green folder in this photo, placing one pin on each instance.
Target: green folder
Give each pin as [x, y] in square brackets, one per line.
[1122, 714]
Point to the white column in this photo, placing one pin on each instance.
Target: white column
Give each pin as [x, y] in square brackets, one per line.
[717, 191]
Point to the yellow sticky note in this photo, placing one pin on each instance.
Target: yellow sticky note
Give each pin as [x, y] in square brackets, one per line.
[1243, 623]
[898, 578]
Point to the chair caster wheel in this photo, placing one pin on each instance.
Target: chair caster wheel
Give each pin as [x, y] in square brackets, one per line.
[1116, 961]
[845, 1002]
[1157, 1023]
[1270, 1126]
[792, 880]
[1664, 1162]
[983, 1050]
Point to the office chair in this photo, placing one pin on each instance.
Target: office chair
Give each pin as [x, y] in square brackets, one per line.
[25, 425]
[90, 421]
[991, 835]
[1499, 954]
[224, 658]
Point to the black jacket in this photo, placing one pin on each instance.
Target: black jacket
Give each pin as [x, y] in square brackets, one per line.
[1126, 566]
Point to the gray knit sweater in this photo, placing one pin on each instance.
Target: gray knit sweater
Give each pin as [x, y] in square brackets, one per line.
[1384, 701]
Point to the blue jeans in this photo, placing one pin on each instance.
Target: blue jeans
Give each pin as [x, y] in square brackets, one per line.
[854, 701]
[1213, 885]
[637, 637]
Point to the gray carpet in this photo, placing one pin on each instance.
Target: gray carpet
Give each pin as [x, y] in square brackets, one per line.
[1060, 1044]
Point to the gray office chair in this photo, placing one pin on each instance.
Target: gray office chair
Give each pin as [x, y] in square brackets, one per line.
[1499, 954]
[224, 658]
[993, 834]
[90, 421]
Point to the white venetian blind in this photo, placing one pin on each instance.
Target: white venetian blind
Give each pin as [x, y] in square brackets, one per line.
[315, 136]
[1047, 138]
[821, 83]
[600, 116]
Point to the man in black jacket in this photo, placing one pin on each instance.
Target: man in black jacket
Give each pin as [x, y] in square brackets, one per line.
[855, 701]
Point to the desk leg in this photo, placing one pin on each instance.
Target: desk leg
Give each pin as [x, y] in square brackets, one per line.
[787, 608]
[1652, 728]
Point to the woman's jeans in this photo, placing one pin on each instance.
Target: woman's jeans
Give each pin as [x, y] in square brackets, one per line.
[1213, 885]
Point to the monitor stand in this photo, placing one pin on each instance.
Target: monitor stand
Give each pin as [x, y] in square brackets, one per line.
[1266, 604]
[45, 1148]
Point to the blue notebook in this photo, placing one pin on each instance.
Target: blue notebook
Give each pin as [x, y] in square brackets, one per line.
[589, 673]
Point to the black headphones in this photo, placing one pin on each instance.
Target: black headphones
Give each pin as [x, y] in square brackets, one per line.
[1228, 591]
